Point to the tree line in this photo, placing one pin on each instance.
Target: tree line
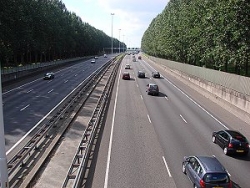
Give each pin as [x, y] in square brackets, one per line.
[34, 31]
[213, 34]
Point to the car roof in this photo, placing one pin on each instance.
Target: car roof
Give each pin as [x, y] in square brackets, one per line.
[233, 132]
[151, 84]
[126, 73]
[211, 164]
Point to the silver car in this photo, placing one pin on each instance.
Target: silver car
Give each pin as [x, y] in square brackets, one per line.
[206, 172]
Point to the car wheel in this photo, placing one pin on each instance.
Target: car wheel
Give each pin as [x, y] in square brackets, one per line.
[214, 139]
[225, 150]
[184, 168]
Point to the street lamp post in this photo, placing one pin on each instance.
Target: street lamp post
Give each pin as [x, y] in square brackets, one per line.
[4, 183]
[119, 40]
[123, 46]
[112, 14]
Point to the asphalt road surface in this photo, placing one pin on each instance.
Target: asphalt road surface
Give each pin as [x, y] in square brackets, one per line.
[26, 105]
[146, 137]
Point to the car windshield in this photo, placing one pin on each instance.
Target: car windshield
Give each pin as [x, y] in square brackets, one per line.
[216, 178]
[153, 86]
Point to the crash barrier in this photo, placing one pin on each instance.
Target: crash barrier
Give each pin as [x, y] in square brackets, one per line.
[14, 73]
[233, 89]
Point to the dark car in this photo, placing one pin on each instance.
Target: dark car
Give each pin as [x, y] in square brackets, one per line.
[141, 74]
[139, 57]
[156, 75]
[126, 76]
[49, 76]
[206, 172]
[152, 89]
[231, 142]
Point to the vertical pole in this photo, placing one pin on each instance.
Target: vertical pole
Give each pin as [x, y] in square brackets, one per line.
[112, 14]
[119, 40]
[4, 183]
[123, 44]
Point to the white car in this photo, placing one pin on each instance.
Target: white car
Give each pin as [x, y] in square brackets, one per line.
[127, 66]
[105, 55]
[93, 61]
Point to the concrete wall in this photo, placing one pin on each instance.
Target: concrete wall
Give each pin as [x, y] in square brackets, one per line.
[230, 91]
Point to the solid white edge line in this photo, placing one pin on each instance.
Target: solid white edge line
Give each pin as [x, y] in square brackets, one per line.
[111, 135]
[194, 101]
[166, 165]
[44, 117]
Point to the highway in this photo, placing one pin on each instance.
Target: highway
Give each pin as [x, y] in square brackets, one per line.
[26, 105]
[146, 137]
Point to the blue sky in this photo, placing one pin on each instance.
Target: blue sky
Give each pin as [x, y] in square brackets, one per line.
[130, 20]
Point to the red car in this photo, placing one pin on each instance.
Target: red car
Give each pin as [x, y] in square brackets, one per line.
[126, 76]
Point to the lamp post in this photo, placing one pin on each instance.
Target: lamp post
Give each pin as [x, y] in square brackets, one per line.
[119, 40]
[123, 44]
[112, 14]
[4, 183]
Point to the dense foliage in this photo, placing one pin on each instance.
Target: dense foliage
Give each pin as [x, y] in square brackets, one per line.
[210, 33]
[44, 30]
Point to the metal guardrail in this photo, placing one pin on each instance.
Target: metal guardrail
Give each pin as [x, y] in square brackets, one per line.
[80, 160]
[14, 73]
[26, 153]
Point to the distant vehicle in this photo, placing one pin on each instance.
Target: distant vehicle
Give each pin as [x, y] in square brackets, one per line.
[156, 75]
[141, 74]
[49, 76]
[152, 89]
[231, 142]
[93, 61]
[139, 57]
[127, 66]
[96, 57]
[133, 59]
[105, 55]
[206, 171]
[126, 76]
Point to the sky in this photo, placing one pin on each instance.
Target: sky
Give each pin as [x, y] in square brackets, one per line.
[130, 20]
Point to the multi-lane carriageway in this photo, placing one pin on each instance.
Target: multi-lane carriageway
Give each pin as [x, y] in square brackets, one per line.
[146, 137]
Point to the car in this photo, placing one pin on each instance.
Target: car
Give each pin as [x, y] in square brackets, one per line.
[133, 59]
[105, 55]
[127, 66]
[49, 76]
[126, 76]
[156, 75]
[231, 142]
[96, 57]
[152, 89]
[206, 171]
[139, 57]
[141, 74]
[93, 61]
